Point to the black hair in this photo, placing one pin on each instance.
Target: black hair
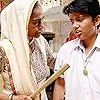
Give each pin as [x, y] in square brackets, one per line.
[90, 7]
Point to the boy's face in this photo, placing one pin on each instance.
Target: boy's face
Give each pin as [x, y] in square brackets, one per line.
[83, 25]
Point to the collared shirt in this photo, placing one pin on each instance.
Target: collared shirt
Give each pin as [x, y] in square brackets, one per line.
[77, 85]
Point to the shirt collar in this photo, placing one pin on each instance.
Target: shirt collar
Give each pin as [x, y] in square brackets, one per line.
[79, 43]
[97, 42]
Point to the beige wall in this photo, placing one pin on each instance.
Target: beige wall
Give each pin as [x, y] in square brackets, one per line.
[61, 30]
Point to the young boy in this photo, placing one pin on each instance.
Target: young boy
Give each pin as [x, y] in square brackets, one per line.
[82, 80]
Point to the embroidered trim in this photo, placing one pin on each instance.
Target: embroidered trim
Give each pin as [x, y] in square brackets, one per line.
[9, 72]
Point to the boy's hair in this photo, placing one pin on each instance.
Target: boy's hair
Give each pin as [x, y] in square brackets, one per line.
[90, 7]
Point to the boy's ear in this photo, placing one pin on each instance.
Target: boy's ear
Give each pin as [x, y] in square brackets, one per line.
[97, 21]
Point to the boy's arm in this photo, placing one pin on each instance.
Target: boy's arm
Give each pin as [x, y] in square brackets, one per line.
[58, 93]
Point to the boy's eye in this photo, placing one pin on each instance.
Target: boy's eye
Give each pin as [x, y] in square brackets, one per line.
[80, 19]
[72, 21]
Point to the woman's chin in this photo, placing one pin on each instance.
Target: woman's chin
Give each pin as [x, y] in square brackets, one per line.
[37, 36]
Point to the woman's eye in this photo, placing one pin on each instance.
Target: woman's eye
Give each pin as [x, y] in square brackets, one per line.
[34, 22]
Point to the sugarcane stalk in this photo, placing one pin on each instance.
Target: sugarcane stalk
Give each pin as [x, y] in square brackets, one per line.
[52, 78]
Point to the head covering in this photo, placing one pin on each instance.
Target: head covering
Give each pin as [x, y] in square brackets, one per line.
[14, 30]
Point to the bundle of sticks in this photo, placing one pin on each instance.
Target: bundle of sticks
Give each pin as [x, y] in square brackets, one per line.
[50, 80]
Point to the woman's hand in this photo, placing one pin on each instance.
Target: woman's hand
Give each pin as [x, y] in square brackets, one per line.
[21, 97]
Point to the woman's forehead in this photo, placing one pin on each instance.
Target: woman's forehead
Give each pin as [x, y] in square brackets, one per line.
[37, 12]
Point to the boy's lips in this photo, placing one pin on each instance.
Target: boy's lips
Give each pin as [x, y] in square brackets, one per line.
[78, 33]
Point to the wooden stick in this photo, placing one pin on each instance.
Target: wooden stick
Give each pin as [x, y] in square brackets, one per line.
[50, 80]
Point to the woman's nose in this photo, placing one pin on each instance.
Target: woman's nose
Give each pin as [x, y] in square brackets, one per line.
[41, 25]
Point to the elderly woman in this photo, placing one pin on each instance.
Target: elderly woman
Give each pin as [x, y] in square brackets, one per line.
[24, 53]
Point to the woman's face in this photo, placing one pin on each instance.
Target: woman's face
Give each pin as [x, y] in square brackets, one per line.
[83, 25]
[35, 26]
